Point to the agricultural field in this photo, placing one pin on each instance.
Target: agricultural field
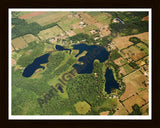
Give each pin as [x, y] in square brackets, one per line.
[21, 13]
[89, 28]
[50, 32]
[126, 69]
[133, 100]
[120, 110]
[82, 107]
[133, 82]
[118, 42]
[144, 37]
[19, 43]
[145, 109]
[143, 47]
[67, 22]
[30, 14]
[47, 18]
[30, 38]
[134, 53]
[120, 61]
[103, 18]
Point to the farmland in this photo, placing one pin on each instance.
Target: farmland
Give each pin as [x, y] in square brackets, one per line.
[133, 81]
[126, 69]
[67, 22]
[50, 32]
[47, 18]
[134, 52]
[30, 38]
[19, 43]
[58, 89]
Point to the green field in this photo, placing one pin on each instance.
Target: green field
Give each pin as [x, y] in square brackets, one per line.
[143, 47]
[50, 32]
[127, 68]
[82, 107]
[67, 22]
[103, 18]
[21, 13]
[47, 18]
[94, 13]
[88, 28]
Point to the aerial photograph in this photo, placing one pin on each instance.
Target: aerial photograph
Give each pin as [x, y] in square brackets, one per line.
[84, 63]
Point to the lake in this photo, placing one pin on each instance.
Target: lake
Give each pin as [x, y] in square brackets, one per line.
[93, 52]
[111, 83]
[30, 69]
[61, 48]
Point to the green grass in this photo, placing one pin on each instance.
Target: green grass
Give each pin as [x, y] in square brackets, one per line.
[66, 23]
[82, 107]
[87, 29]
[47, 18]
[127, 68]
[103, 18]
[123, 61]
[78, 31]
[94, 13]
[21, 13]
[143, 47]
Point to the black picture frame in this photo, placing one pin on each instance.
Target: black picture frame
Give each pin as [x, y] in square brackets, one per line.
[5, 5]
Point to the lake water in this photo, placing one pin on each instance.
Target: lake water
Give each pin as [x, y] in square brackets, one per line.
[61, 48]
[30, 69]
[111, 83]
[93, 52]
[119, 20]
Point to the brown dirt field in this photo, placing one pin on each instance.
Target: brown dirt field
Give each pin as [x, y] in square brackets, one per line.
[129, 91]
[121, 110]
[123, 42]
[143, 37]
[104, 113]
[121, 69]
[31, 15]
[19, 43]
[144, 108]
[134, 53]
[120, 61]
[145, 95]
[131, 101]
[140, 62]
[145, 18]
[133, 82]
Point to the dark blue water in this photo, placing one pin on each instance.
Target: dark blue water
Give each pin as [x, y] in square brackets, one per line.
[119, 20]
[93, 52]
[111, 83]
[60, 48]
[30, 69]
